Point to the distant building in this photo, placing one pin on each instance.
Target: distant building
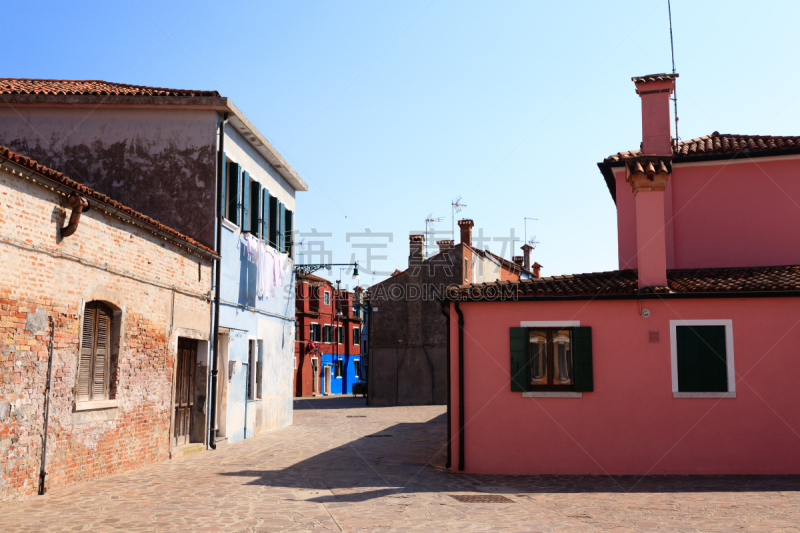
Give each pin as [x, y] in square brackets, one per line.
[121, 306]
[407, 337]
[328, 338]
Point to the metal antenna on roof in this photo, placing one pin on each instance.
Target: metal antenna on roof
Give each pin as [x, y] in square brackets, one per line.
[430, 222]
[455, 207]
[675, 91]
[533, 242]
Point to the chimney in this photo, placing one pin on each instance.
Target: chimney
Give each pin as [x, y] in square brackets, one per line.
[526, 252]
[416, 249]
[466, 231]
[648, 173]
[537, 273]
[517, 260]
[445, 245]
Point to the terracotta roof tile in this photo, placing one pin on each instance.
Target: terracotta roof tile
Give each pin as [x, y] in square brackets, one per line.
[91, 88]
[87, 192]
[722, 143]
[625, 282]
[653, 77]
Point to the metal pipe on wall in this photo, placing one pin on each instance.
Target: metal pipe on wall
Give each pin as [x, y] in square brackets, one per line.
[446, 312]
[42, 471]
[460, 386]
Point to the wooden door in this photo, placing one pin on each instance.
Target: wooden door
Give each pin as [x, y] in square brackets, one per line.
[184, 390]
[314, 376]
[327, 379]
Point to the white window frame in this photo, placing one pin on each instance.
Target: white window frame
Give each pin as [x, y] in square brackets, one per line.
[673, 342]
[310, 332]
[326, 297]
[354, 336]
[357, 360]
[340, 332]
[252, 367]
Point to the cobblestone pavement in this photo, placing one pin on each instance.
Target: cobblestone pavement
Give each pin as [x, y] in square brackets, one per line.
[345, 467]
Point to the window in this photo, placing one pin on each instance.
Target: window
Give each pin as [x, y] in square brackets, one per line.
[232, 200]
[357, 367]
[356, 336]
[327, 334]
[702, 358]
[254, 370]
[288, 232]
[296, 331]
[551, 359]
[314, 332]
[326, 298]
[340, 334]
[338, 367]
[95, 366]
[466, 270]
[252, 222]
[274, 225]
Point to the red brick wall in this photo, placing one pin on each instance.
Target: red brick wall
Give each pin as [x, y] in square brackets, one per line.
[106, 259]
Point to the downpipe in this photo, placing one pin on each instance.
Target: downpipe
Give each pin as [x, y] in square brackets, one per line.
[79, 205]
[43, 469]
[445, 307]
[460, 386]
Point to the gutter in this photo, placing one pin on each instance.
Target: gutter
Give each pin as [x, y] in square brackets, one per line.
[460, 387]
[212, 404]
[637, 296]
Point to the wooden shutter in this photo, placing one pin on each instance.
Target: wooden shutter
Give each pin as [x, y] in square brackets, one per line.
[287, 231]
[520, 360]
[273, 222]
[233, 197]
[265, 214]
[582, 371]
[702, 360]
[246, 225]
[281, 228]
[101, 356]
[255, 208]
[87, 348]
[224, 188]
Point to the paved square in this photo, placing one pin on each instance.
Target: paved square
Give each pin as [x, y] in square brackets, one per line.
[345, 467]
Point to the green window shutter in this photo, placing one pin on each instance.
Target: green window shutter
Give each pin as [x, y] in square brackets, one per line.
[224, 188]
[255, 208]
[246, 225]
[288, 232]
[281, 229]
[582, 372]
[702, 360]
[265, 214]
[273, 222]
[234, 179]
[520, 360]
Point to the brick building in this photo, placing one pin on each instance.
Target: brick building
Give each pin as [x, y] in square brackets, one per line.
[328, 338]
[126, 300]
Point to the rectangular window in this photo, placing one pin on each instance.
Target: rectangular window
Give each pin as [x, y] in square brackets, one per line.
[340, 334]
[253, 221]
[466, 270]
[356, 336]
[357, 367]
[273, 222]
[326, 298]
[314, 332]
[296, 331]
[95, 367]
[245, 202]
[288, 232]
[264, 217]
[260, 369]
[327, 334]
[551, 359]
[234, 178]
[338, 367]
[702, 358]
[252, 363]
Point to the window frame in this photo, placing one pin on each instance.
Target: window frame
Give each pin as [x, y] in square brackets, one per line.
[109, 366]
[550, 354]
[357, 367]
[338, 368]
[358, 342]
[340, 334]
[326, 298]
[328, 338]
[314, 328]
[729, 359]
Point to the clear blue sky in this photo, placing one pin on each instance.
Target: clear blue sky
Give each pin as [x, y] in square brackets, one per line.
[391, 110]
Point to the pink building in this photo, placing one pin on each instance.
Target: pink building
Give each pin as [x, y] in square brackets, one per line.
[684, 361]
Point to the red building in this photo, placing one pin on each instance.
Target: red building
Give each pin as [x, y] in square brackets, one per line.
[326, 323]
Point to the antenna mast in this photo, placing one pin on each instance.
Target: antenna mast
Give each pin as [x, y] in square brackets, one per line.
[675, 92]
[430, 222]
[455, 207]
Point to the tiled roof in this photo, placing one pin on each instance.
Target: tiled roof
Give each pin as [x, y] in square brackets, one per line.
[625, 282]
[653, 77]
[100, 198]
[721, 144]
[91, 88]
[314, 279]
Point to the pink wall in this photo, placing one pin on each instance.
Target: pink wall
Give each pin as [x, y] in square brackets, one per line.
[631, 424]
[726, 214]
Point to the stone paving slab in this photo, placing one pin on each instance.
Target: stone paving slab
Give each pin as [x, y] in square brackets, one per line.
[329, 472]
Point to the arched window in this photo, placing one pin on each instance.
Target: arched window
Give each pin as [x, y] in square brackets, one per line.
[94, 368]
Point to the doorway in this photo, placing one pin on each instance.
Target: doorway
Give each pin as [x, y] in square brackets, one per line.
[314, 376]
[327, 377]
[183, 402]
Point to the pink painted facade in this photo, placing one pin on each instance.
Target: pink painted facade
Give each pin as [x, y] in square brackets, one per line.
[706, 238]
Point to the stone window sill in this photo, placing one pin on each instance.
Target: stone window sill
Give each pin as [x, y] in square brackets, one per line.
[704, 395]
[91, 406]
[552, 394]
[230, 225]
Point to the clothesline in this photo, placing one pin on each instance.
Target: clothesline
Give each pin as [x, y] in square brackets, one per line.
[270, 264]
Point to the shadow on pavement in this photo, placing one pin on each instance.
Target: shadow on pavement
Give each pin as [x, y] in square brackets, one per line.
[330, 402]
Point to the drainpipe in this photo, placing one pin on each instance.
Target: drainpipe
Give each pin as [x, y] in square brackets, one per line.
[212, 404]
[78, 205]
[445, 306]
[47, 398]
[460, 386]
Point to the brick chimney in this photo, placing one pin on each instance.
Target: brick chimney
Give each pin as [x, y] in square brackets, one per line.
[445, 245]
[526, 254]
[537, 270]
[466, 231]
[648, 173]
[517, 260]
[416, 249]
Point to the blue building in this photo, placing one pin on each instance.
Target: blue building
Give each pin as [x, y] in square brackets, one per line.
[256, 303]
[339, 372]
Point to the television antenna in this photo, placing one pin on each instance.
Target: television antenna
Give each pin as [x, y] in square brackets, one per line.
[430, 223]
[455, 207]
[675, 90]
[533, 242]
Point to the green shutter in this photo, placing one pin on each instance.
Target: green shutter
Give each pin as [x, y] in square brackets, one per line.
[520, 360]
[246, 225]
[255, 208]
[287, 231]
[265, 214]
[273, 222]
[281, 222]
[224, 188]
[582, 373]
[702, 361]
[234, 190]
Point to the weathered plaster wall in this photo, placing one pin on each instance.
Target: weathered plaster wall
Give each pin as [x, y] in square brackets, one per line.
[106, 259]
[157, 161]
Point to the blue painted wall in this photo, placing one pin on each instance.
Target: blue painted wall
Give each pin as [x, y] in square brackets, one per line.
[344, 384]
